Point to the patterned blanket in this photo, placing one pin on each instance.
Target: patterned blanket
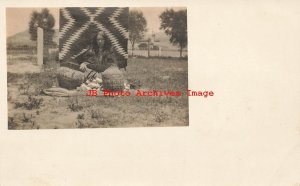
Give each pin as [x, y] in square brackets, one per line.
[79, 25]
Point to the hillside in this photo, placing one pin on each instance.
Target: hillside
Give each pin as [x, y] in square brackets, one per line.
[23, 38]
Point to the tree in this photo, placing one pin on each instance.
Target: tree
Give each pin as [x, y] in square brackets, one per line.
[174, 23]
[137, 27]
[46, 21]
[155, 47]
[143, 46]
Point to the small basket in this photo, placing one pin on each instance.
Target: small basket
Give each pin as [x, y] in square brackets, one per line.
[113, 79]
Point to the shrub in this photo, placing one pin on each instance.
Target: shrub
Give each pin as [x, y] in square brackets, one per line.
[80, 116]
[26, 119]
[74, 105]
[95, 114]
[11, 123]
[32, 103]
[160, 116]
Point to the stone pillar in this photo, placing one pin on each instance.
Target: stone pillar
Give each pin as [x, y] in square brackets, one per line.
[40, 46]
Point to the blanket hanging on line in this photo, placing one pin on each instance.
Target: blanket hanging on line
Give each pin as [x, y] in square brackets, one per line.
[79, 25]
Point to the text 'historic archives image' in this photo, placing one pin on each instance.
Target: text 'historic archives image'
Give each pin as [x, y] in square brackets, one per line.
[101, 67]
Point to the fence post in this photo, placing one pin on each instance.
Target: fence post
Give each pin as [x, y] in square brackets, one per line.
[149, 40]
[159, 52]
[40, 46]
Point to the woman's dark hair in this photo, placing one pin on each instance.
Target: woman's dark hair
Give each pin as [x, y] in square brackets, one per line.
[96, 47]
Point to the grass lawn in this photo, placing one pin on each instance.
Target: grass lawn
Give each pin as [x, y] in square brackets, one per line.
[29, 109]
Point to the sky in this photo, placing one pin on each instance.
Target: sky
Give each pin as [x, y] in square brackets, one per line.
[17, 19]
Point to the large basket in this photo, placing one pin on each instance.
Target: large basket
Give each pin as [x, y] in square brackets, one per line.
[113, 79]
[69, 78]
[68, 83]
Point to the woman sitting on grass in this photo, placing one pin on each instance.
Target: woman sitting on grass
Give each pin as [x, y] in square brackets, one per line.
[99, 56]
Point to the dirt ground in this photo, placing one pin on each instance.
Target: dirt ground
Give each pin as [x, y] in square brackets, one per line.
[28, 108]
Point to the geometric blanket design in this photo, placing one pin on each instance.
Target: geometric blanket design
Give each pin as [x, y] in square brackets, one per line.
[79, 25]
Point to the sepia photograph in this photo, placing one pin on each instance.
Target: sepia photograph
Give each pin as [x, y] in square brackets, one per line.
[150, 93]
[97, 67]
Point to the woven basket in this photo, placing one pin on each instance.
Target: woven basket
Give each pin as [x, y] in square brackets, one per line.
[113, 79]
[69, 78]
[68, 83]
